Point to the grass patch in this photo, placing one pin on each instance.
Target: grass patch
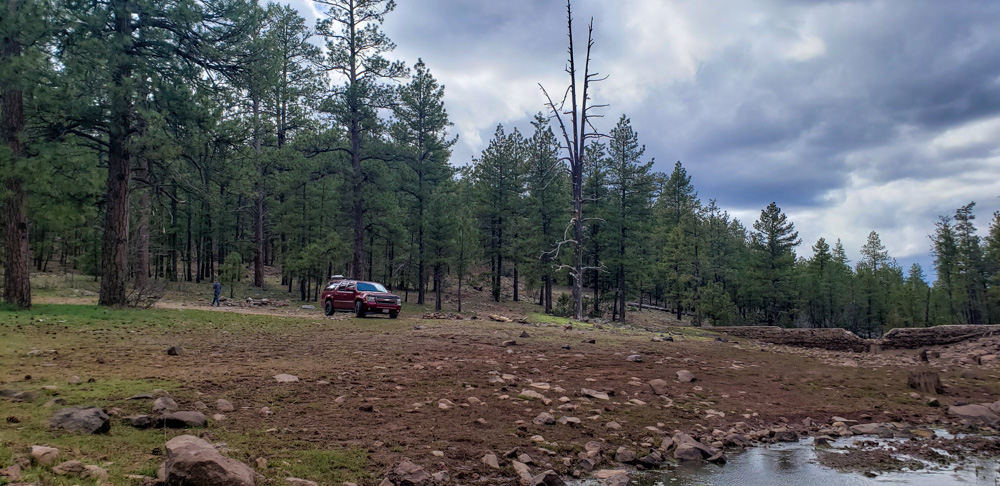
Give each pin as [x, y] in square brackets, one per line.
[326, 466]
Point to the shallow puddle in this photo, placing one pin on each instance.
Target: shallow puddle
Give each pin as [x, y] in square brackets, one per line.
[796, 464]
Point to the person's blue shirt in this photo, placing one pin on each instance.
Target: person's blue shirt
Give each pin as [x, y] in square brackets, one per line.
[217, 287]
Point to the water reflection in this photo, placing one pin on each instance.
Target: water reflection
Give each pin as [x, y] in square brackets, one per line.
[796, 464]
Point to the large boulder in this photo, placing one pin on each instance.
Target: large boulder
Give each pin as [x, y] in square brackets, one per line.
[688, 449]
[193, 462]
[547, 478]
[659, 387]
[975, 414]
[164, 405]
[90, 420]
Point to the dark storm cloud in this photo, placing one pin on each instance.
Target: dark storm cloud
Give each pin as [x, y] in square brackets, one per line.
[841, 111]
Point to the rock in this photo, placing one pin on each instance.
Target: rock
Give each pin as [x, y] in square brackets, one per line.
[658, 386]
[509, 342]
[620, 478]
[182, 420]
[12, 472]
[523, 472]
[69, 468]
[445, 404]
[634, 358]
[593, 447]
[594, 394]
[524, 334]
[625, 455]
[822, 441]
[782, 434]
[570, 420]
[688, 449]
[547, 478]
[43, 455]
[194, 462]
[261, 463]
[651, 460]
[544, 418]
[141, 396]
[74, 380]
[685, 376]
[200, 406]
[301, 482]
[491, 460]
[441, 477]
[285, 378]
[309, 307]
[139, 421]
[975, 414]
[19, 396]
[90, 420]
[94, 473]
[223, 405]
[613, 426]
[407, 473]
[867, 429]
[174, 351]
[666, 444]
[925, 381]
[55, 401]
[164, 404]
[924, 433]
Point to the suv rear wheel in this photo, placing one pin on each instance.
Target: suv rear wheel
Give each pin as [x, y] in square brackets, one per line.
[328, 307]
[359, 309]
[393, 315]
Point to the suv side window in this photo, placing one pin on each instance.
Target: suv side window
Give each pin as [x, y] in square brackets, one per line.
[349, 287]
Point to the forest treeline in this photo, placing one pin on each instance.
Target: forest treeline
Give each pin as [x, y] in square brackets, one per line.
[165, 140]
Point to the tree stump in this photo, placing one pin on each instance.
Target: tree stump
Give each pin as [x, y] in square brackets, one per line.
[926, 382]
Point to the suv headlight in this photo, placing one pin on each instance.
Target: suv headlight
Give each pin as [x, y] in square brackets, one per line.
[370, 298]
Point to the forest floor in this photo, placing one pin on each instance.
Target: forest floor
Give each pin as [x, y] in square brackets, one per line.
[441, 392]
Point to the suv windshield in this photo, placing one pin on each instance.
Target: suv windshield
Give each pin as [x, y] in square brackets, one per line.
[370, 287]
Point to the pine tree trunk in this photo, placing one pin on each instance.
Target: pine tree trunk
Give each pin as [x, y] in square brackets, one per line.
[437, 287]
[114, 257]
[142, 235]
[17, 252]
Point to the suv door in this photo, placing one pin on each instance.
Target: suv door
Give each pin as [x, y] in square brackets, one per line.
[344, 297]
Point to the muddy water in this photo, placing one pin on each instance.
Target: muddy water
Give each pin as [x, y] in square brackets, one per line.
[796, 464]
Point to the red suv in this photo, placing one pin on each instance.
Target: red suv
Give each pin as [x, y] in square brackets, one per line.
[361, 298]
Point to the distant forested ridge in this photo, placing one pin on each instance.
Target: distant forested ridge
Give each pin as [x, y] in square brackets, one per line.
[144, 141]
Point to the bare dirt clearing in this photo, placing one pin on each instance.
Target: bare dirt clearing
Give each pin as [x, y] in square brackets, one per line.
[441, 392]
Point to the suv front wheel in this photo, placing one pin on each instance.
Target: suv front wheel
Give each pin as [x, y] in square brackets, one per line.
[359, 309]
[328, 307]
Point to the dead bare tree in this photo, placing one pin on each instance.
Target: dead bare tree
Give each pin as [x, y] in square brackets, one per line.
[575, 136]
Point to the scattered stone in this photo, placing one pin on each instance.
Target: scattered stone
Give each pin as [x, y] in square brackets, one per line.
[634, 358]
[544, 418]
[43, 455]
[509, 342]
[445, 404]
[194, 462]
[407, 473]
[223, 405]
[659, 387]
[547, 478]
[782, 434]
[12, 472]
[200, 406]
[74, 380]
[594, 394]
[309, 307]
[590, 341]
[55, 401]
[613, 426]
[491, 460]
[69, 468]
[139, 421]
[689, 449]
[182, 420]
[286, 378]
[685, 376]
[94, 473]
[570, 420]
[524, 334]
[625, 455]
[19, 396]
[90, 420]
[651, 460]
[523, 472]
[164, 404]
[441, 477]
[174, 351]
[141, 396]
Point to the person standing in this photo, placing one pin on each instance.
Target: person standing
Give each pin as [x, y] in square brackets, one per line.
[217, 289]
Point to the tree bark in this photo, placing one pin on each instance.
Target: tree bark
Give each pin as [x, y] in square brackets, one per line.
[142, 235]
[17, 252]
[115, 248]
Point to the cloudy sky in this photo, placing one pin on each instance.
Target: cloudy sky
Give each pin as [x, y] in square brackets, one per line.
[852, 115]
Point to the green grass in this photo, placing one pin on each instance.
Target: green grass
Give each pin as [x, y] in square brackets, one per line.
[328, 467]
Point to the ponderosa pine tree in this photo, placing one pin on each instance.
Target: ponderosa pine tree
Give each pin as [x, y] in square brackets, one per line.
[357, 48]
[773, 242]
[546, 199]
[677, 208]
[420, 132]
[631, 186]
[499, 182]
[970, 271]
[945, 251]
